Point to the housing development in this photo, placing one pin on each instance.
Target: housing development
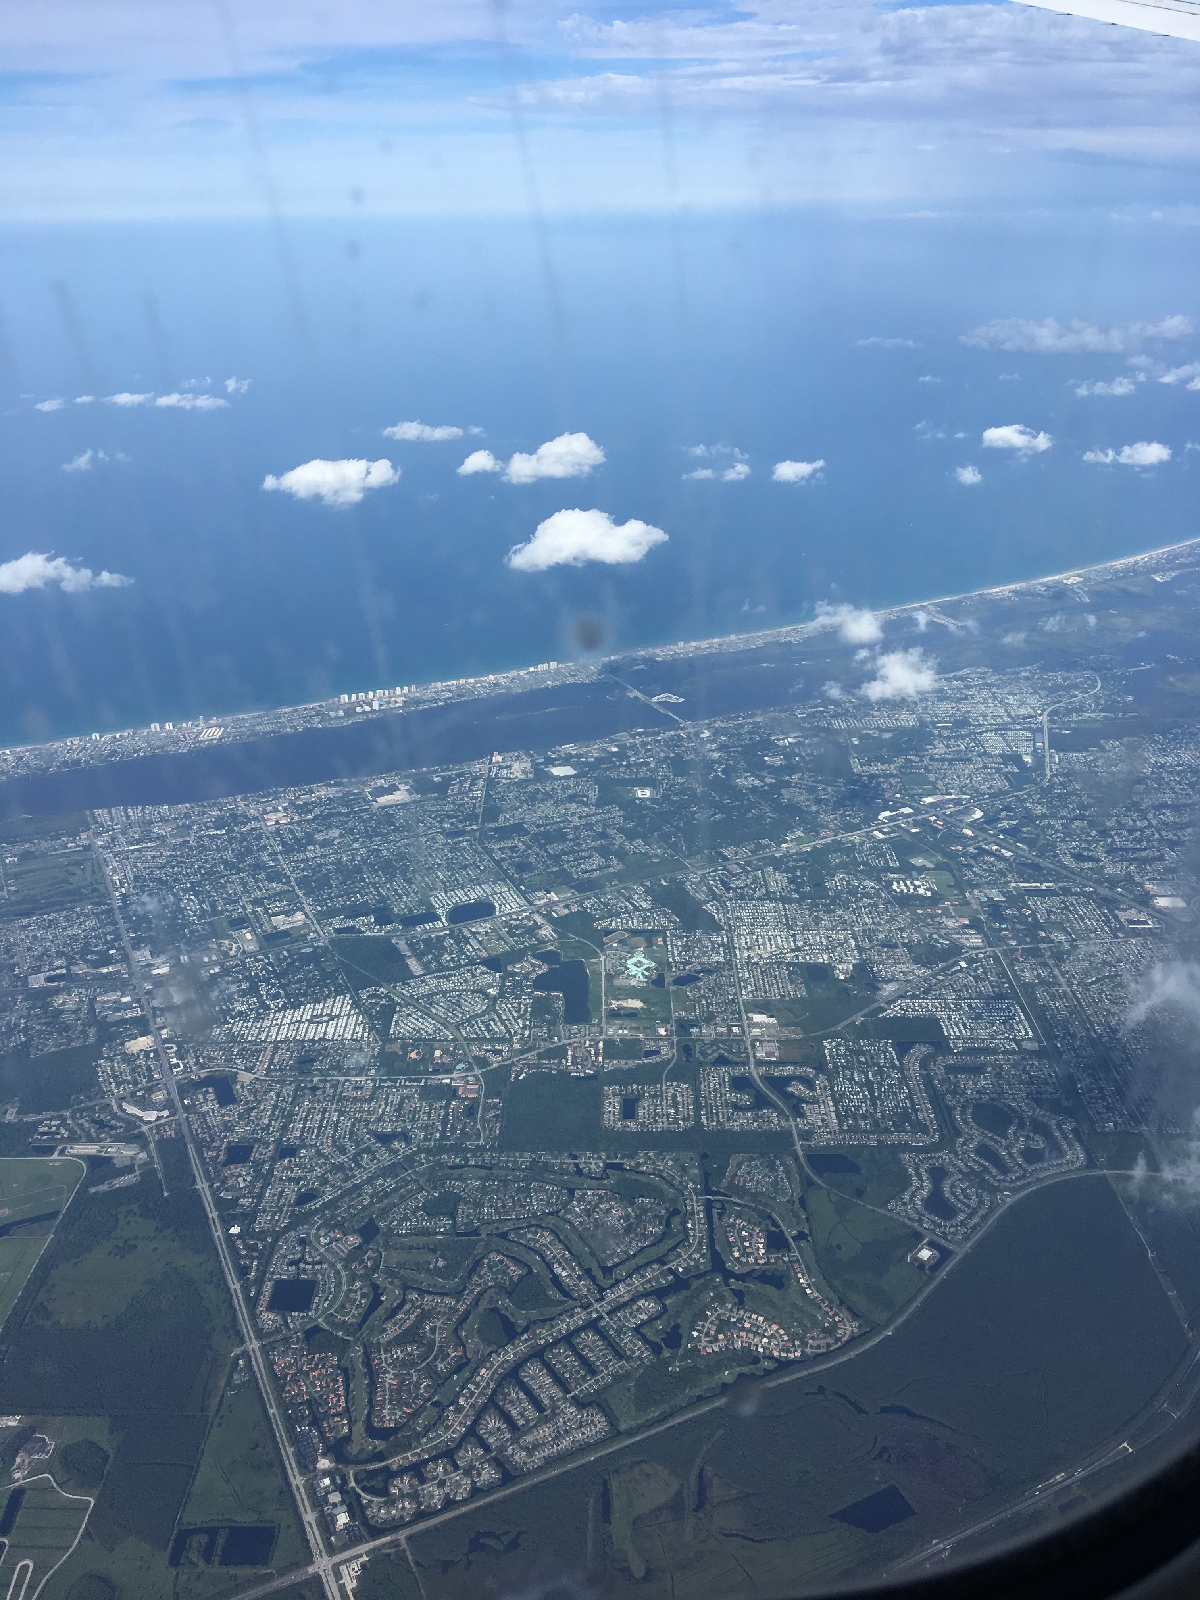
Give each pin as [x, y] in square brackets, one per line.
[536, 1097]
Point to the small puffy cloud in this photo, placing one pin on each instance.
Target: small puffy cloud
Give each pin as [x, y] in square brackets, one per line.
[480, 461]
[1014, 639]
[928, 377]
[1118, 386]
[49, 405]
[334, 483]
[1189, 374]
[1014, 436]
[569, 538]
[795, 471]
[901, 675]
[571, 455]
[1167, 986]
[968, 476]
[37, 571]
[421, 432]
[1146, 453]
[126, 400]
[192, 402]
[878, 342]
[85, 399]
[833, 690]
[1076, 338]
[735, 473]
[854, 626]
[237, 385]
[83, 462]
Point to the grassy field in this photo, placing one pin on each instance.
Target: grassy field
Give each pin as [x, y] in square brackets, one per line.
[370, 958]
[1042, 1344]
[862, 1255]
[881, 1176]
[46, 1525]
[51, 883]
[550, 1111]
[33, 1191]
[240, 1482]
[50, 1082]
[125, 1318]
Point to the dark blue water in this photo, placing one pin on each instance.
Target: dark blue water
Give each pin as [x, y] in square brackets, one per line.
[739, 331]
[570, 979]
[877, 1512]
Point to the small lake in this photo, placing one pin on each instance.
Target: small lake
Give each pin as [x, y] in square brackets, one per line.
[570, 979]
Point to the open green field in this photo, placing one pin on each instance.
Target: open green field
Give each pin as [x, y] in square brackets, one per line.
[370, 958]
[862, 1254]
[123, 1333]
[239, 1482]
[1043, 1343]
[49, 1082]
[551, 1111]
[46, 1525]
[881, 1175]
[33, 1192]
[51, 883]
[827, 1003]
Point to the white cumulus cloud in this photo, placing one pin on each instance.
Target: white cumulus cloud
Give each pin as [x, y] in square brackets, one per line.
[701, 475]
[1015, 436]
[901, 675]
[854, 626]
[125, 399]
[795, 471]
[735, 473]
[968, 476]
[571, 455]
[49, 405]
[237, 385]
[192, 402]
[1146, 453]
[36, 571]
[85, 399]
[422, 432]
[82, 462]
[1076, 338]
[1168, 986]
[569, 538]
[480, 461]
[334, 483]
[1188, 373]
[1118, 386]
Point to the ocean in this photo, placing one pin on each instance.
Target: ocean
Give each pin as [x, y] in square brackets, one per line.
[805, 336]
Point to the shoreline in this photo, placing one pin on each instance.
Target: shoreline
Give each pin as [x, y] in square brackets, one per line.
[243, 727]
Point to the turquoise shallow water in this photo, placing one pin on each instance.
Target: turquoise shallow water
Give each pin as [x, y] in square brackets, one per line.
[740, 332]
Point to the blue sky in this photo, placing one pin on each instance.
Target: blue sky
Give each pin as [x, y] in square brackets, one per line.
[738, 255]
[133, 108]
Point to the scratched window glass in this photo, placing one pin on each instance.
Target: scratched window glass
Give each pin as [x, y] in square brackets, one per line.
[599, 752]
